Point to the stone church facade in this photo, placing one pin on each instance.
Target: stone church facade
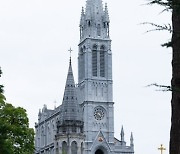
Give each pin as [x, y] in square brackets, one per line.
[84, 122]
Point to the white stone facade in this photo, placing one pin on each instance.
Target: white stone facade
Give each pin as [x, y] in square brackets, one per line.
[91, 101]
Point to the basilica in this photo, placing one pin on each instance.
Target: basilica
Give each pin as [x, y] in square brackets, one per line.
[84, 122]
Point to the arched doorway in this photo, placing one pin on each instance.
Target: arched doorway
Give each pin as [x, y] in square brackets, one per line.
[99, 152]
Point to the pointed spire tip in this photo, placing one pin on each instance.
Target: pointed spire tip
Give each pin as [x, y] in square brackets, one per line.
[70, 50]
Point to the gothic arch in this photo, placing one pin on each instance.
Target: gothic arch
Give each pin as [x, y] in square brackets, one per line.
[64, 147]
[82, 148]
[42, 136]
[103, 47]
[48, 133]
[81, 50]
[101, 150]
[95, 47]
[74, 147]
[89, 23]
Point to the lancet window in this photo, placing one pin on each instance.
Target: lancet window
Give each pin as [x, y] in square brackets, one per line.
[94, 60]
[102, 61]
[99, 30]
[82, 63]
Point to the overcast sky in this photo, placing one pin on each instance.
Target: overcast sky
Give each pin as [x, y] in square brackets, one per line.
[35, 36]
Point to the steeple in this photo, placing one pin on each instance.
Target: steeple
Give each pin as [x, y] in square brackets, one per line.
[70, 123]
[70, 107]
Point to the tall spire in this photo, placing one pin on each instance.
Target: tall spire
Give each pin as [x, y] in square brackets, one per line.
[88, 10]
[70, 107]
[94, 8]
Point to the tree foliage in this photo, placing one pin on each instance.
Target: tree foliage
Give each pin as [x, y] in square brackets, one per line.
[15, 135]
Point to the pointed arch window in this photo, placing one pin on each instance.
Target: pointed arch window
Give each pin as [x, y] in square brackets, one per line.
[82, 63]
[64, 148]
[82, 148]
[74, 147]
[102, 61]
[94, 60]
[89, 23]
[99, 30]
[42, 136]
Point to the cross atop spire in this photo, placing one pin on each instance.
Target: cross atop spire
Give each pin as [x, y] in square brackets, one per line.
[70, 50]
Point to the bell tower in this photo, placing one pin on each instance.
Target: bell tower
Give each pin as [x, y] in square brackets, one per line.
[95, 57]
[95, 74]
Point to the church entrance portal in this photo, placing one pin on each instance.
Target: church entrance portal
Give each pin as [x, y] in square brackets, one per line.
[99, 152]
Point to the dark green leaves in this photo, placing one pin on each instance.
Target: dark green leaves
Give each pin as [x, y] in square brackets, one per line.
[15, 135]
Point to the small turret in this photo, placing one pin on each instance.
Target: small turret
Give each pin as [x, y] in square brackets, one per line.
[44, 108]
[82, 17]
[122, 134]
[131, 140]
[39, 115]
[106, 14]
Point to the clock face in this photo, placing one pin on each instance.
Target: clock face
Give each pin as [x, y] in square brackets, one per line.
[99, 113]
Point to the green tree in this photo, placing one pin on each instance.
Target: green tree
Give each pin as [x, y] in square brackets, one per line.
[174, 7]
[15, 135]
